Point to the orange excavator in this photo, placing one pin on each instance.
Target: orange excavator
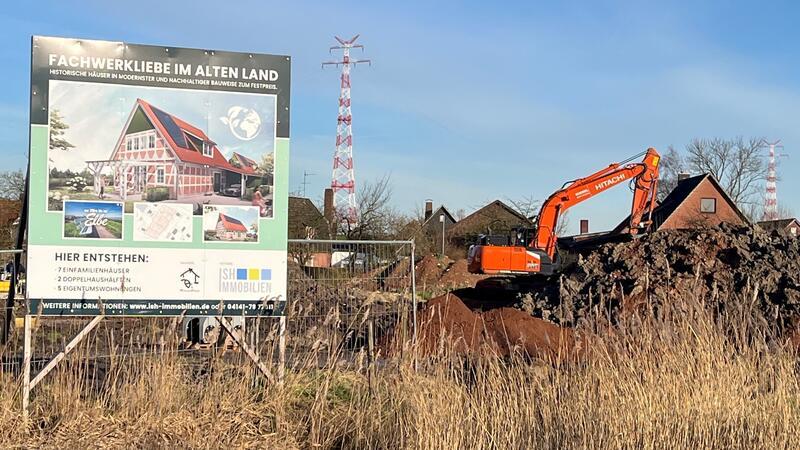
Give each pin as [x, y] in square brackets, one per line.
[534, 250]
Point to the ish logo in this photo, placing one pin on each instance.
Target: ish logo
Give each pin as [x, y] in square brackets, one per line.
[245, 280]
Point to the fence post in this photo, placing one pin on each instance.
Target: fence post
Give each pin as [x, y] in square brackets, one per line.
[370, 356]
[281, 349]
[26, 368]
[413, 294]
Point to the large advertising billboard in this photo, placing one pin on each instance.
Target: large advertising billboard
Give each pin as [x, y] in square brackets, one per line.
[158, 180]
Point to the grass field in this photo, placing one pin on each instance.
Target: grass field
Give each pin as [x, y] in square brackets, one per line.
[681, 381]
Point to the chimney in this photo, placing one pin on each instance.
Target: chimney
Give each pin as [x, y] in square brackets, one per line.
[584, 226]
[682, 176]
[428, 209]
[327, 205]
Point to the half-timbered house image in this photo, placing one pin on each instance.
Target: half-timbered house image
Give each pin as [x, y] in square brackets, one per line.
[160, 157]
[230, 229]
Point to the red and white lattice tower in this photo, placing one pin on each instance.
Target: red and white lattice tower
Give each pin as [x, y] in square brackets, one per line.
[343, 181]
[771, 199]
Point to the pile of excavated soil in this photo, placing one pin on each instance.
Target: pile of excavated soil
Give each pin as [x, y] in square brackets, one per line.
[717, 265]
[439, 275]
[448, 324]
[430, 269]
[458, 276]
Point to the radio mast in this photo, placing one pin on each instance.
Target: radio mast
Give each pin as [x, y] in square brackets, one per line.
[343, 181]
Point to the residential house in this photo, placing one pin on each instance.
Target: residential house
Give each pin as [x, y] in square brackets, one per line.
[496, 218]
[695, 201]
[305, 220]
[9, 214]
[789, 226]
[230, 229]
[158, 150]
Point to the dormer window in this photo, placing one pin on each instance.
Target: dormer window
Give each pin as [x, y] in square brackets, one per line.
[207, 149]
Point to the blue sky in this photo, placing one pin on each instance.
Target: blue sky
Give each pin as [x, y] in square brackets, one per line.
[471, 101]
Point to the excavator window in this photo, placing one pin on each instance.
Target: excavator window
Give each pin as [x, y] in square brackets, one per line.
[522, 236]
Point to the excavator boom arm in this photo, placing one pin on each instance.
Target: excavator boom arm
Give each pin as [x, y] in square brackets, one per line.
[644, 176]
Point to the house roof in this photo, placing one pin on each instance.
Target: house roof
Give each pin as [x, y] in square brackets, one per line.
[174, 131]
[675, 199]
[9, 211]
[495, 213]
[496, 203]
[231, 224]
[303, 213]
[244, 160]
[780, 224]
[440, 210]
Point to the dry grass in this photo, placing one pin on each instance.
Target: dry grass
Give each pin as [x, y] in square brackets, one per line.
[681, 381]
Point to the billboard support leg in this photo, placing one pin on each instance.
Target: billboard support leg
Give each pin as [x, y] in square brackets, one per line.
[281, 348]
[26, 368]
[68, 348]
[243, 345]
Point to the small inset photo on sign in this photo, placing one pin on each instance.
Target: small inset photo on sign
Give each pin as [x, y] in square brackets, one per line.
[92, 220]
[162, 222]
[226, 223]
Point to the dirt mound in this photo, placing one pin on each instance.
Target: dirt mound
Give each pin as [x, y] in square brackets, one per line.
[716, 264]
[458, 276]
[448, 323]
[430, 269]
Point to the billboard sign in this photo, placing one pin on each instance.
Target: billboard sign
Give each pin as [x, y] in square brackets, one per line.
[158, 180]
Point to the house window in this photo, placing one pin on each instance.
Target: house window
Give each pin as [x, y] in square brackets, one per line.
[152, 141]
[128, 144]
[708, 205]
[160, 175]
[793, 230]
[206, 148]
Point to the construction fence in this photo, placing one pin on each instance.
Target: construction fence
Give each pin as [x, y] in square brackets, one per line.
[347, 301]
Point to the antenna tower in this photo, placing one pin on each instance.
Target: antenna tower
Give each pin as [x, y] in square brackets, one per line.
[771, 199]
[343, 181]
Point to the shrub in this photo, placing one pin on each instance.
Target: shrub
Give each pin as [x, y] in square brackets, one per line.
[157, 194]
[248, 194]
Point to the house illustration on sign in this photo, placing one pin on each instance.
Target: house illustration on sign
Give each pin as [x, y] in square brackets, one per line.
[189, 277]
[158, 156]
[230, 229]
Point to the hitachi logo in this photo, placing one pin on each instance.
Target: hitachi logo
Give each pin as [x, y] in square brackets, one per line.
[609, 182]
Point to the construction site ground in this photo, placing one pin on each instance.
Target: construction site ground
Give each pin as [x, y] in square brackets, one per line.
[731, 270]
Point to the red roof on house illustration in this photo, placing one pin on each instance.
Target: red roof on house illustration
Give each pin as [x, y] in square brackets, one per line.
[244, 160]
[175, 131]
[231, 224]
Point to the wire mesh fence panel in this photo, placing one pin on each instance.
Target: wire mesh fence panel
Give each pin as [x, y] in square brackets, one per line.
[336, 289]
[337, 292]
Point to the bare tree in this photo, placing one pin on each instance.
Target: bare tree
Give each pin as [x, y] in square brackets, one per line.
[375, 217]
[672, 165]
[12, 184]
[563, 224]
[526, 205]
[737, 164]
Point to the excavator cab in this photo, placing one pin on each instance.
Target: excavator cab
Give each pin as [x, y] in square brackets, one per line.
[510, 255]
